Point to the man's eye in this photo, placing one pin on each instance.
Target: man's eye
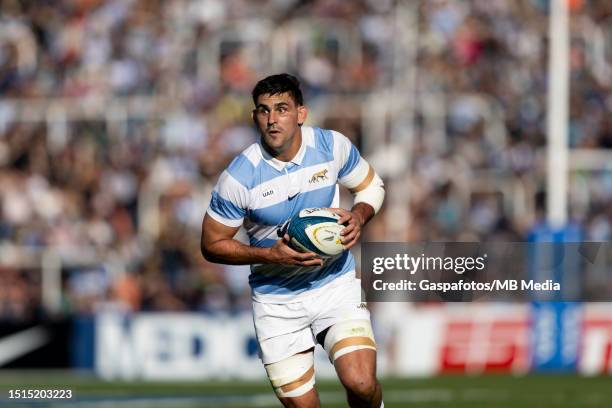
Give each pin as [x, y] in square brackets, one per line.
[282, 110]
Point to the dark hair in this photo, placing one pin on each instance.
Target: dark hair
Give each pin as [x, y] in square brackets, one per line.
[277, 84]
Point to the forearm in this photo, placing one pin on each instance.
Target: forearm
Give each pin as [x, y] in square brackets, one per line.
[364, 211]
[233, 252]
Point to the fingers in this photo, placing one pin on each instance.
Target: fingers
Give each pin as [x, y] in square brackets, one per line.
[312, 262]
[344, 215]
[307, 259]
[348, 237]
[346, 218]
[351, 239]
[304, 256]
[349, 228]
[350, 234]
[335, 210]
[294, 257]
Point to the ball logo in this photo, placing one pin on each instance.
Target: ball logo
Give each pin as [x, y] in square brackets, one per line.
[324, 234]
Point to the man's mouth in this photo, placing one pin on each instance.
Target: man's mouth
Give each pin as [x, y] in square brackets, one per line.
[273, 131]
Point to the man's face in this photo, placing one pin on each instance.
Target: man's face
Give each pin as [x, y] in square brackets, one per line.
[278, 119]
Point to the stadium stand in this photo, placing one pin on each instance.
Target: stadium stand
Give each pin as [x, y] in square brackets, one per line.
[117, 116]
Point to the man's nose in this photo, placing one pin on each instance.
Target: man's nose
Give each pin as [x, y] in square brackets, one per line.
[272, 117]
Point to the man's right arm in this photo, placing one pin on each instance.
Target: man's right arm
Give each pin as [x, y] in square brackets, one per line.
[218, 245]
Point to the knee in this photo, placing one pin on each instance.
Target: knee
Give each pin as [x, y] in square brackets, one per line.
[363, 387]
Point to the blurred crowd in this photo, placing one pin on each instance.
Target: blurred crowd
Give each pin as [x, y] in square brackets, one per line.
[134, 195]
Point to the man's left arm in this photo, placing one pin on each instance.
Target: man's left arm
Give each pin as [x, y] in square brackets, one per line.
[368, 201]
[367, 188]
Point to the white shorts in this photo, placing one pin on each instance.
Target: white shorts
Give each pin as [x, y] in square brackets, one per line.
[286, 329]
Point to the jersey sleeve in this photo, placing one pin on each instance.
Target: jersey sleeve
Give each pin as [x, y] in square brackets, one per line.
[229, 201]
[354, 169]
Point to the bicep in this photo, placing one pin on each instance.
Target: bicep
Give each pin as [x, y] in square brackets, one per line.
[214, 231]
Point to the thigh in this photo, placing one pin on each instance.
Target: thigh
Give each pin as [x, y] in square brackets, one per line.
[340, 304]
[282, 330]
[342, 325]
[351, 348]
[358, 364]
[357, 372]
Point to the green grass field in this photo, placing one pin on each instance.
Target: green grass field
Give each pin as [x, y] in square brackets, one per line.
[445, 391]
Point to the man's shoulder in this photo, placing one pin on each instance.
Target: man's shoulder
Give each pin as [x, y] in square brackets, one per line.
[329, 141]
[243, 166]
[324, 139]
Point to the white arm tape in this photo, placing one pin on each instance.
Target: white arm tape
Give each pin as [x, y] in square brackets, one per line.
[373, 194]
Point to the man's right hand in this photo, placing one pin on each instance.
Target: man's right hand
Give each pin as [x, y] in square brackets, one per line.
[282, 253]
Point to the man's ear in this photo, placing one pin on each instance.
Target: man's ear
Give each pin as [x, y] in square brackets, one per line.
[253, 116]
[302, 114]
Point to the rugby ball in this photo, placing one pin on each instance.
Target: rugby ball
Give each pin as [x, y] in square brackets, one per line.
[316, 230]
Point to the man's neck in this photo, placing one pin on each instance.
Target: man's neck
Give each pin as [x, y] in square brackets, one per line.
[288, 154]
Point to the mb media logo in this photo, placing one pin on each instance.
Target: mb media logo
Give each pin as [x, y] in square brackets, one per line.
[319, 176]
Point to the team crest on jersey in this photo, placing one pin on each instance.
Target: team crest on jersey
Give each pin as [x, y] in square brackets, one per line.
[319, 176]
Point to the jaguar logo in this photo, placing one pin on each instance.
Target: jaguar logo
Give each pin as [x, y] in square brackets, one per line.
[319, 176]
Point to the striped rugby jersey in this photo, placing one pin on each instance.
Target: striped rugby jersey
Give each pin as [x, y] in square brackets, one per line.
[263, 193]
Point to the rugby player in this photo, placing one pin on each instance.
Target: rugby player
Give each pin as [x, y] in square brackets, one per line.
[299, 299]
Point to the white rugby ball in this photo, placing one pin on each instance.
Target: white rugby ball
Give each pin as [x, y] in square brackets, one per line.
[316, 230]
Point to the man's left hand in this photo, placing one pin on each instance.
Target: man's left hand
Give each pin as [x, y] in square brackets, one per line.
[353, 222]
